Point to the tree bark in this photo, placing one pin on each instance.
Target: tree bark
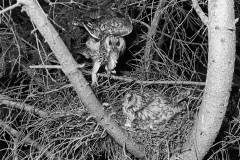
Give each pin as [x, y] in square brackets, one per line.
[221, 58]
[81, 86]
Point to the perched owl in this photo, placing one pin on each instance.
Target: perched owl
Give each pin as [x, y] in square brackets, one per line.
[106, 43]
[105, 52]
[150, 109]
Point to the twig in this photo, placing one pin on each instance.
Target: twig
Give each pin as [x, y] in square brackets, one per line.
[54, 66]
[131, 79]
[10, 7]
[26, 140]
[47, 1]
[141, 22]
[19, 105]
[151, 35]
[200, 12]
[35, 110]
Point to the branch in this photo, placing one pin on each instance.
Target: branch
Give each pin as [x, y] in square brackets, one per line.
[127, 79]
[22, 106]
[26, 140]
[151, 34]
[35, 110]
[9, 8]
[141, 22]
[81, 86]
[200, 12]
[53, 66]
[131, 79]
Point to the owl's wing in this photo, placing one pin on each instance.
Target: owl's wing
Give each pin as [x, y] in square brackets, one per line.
[93, 44]
[118, 25]
[86, 52]
[93, 30]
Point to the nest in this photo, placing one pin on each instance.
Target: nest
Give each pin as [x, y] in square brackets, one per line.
[70, 131]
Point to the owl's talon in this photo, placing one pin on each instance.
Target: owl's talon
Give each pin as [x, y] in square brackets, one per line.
[94, 80]
[111, 72]
[127, 125]
[105, 104]
[94, 84]
[128, 128]
[81, 65]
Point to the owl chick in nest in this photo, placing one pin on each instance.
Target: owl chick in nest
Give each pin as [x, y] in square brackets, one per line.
[150, 108]
[106, 51]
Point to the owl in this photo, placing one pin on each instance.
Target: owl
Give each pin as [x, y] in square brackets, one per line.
[106, 40]
[98, 11]
[118, 25]
[105, 52]
[101, 25]
[149, 109]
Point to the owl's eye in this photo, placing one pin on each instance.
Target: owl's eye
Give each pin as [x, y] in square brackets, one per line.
[110, 43]
[118, 43]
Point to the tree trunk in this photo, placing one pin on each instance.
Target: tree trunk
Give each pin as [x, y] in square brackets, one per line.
[221, 58]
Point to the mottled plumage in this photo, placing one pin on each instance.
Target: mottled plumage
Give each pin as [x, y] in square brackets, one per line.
[118, 25]
[106, 51]
[149, 109]
[107, 26]
[99, 26]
